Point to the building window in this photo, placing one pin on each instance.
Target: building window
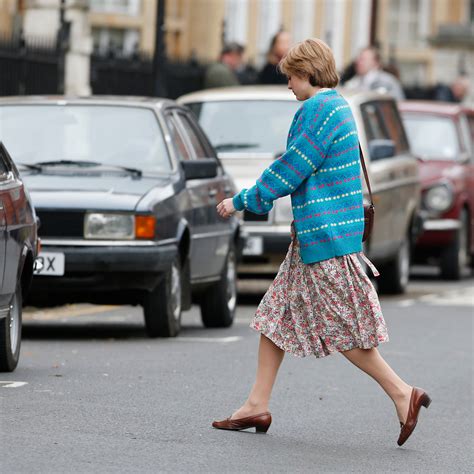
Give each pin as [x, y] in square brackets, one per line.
[125, 7]
[408, 23]
[118, 40]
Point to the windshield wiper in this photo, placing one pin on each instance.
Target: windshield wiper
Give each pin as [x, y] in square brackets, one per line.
[86, 164]
[68, 162]
[28, 166]
[234, 146]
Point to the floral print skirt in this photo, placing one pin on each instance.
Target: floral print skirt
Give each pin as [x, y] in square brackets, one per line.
[321, 308]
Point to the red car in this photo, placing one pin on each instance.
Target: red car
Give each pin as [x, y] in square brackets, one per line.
[442, 136]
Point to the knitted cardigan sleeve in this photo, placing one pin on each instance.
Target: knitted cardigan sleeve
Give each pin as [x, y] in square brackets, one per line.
[303, 157]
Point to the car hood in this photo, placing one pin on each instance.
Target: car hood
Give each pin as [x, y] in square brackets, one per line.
[90, 192]
[245, 168]
[432, 171]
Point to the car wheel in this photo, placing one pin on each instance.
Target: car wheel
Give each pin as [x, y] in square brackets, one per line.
[10, 334]
[455, 257]
[219, 301]
[162, 306]
[395, 275]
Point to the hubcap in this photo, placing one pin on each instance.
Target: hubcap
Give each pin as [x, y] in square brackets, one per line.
[14, 325]
[231, 282]
[175, 292]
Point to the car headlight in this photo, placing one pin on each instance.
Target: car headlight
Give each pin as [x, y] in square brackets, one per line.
[109, 226]
[439, 198]
[283, 210]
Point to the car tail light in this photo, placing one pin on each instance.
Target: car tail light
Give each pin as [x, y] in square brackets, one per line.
[145, 227]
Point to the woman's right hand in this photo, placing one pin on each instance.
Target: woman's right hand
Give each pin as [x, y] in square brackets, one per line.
[226, 208]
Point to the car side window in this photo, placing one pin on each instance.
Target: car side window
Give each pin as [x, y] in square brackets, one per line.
[4, 169]
[393, 125]
[177, 139]
[373, 122]
[198, 147]
[470, 121]
[467, 137]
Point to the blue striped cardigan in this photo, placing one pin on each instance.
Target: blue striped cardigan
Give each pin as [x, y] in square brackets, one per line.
[321, 171]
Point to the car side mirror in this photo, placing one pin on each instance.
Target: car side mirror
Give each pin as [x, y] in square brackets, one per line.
[200, 169]
[381, 148]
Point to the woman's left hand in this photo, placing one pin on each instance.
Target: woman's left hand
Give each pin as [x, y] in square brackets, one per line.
[226, 208]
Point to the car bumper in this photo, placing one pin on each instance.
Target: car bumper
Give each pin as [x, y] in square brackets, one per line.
[264, 249]
[107, 266]
[436, 235]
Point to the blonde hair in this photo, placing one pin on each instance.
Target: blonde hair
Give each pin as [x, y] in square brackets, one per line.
[312, 59]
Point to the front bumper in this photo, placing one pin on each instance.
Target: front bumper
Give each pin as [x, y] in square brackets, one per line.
[106, 266]
[264, 249]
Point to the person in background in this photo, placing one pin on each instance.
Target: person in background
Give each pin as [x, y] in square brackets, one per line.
[371, 76]
[456, 92]
[279, 46]
[223, 73]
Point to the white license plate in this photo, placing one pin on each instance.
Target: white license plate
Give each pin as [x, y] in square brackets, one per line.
[253, 246]
[50, 264]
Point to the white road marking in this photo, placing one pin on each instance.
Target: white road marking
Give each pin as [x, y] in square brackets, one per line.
[456, 297]
[209, 339]
[10, 384]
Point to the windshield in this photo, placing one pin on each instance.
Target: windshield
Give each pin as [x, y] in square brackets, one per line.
[431, 137]
[247, 125]
[111, 135]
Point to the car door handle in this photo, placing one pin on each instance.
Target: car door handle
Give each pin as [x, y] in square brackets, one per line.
[212, 193]
[227, 191]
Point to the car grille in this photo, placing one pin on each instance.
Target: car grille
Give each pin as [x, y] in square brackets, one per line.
[251, 217]
[61, 223]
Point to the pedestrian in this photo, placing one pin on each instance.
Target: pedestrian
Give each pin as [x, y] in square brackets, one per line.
[321, 300]
[279, 46]
[456, 92]
[371, 76]
[222, 73]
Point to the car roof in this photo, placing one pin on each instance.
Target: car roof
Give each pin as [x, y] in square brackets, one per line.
[136, 101]
[434, 107]
[264, 92]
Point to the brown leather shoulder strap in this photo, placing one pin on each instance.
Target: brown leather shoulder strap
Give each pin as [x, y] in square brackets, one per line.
[365, 173]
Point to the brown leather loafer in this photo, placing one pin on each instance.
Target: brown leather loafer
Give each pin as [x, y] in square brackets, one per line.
[260, 422]
[418, 399]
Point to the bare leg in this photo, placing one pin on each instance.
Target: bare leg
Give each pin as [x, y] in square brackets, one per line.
[372, 363]
[270, 357]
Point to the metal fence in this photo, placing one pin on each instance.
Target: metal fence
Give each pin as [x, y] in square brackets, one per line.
[32, 66]
[134, 75]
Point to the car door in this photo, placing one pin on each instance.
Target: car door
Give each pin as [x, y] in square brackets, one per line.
[3, 220]
[467, 128]
[219, 188]
[197, 212]
[395, 178]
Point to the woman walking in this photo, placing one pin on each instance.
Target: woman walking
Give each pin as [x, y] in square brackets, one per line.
[321, 300]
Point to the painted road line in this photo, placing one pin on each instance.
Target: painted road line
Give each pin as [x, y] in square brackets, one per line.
[11, 384]
[208, 339]
[66, 311]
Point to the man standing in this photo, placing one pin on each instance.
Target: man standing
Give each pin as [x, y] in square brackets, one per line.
[223, 72]
[370, 76]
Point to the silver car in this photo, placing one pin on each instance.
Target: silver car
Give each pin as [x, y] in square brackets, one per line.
[248, 127]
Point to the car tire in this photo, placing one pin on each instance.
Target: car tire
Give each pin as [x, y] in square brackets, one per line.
[394, 276]
[219, 301]
[10, 334]
[455, 257]
[162, 306]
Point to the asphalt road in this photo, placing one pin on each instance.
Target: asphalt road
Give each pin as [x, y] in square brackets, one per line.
[93, 395]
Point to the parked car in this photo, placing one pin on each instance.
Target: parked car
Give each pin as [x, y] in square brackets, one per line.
[18, 251]
[442, 136]
[248, 127]
[126, 190]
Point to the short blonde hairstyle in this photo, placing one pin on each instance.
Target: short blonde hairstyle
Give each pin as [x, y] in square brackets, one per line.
[312, 59]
